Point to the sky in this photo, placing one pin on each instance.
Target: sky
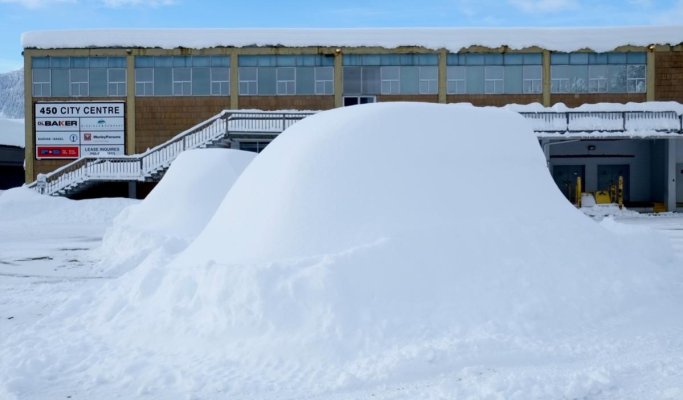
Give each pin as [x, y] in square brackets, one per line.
[18, 16]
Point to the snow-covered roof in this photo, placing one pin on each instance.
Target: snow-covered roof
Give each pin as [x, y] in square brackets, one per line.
[598, 39]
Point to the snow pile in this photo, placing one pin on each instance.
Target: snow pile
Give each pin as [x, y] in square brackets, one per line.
[176, 210]
[454, 39]
[24, 207]
[12, 132]
[350, 260]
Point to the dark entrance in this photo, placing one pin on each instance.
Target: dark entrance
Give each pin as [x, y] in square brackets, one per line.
[565, 178]
[608, 175]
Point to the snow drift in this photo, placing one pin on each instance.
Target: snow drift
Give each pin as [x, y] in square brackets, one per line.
[396, 250]
[176, 210]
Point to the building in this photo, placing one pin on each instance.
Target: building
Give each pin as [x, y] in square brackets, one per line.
[11, 153]
[125, 91]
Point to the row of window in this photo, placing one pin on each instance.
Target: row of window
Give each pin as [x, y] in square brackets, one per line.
[367, 74]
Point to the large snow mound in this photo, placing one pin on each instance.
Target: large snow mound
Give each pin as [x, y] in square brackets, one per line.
[178, 208]
[392, 251]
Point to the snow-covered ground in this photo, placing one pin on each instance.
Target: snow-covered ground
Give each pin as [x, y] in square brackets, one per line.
[336, 271]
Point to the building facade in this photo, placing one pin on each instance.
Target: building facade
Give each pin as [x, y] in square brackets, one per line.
[163, 82]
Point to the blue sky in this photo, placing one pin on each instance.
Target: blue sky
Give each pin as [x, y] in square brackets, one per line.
[17, 16]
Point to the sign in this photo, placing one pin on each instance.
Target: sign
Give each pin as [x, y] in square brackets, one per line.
[101, 151]
[49, 138]
[94, 137]
[57, 152]
[73, 130]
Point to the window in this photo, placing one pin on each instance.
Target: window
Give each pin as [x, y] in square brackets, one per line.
[79, 76]
[354, 100]
[428, 77]
[286, 80]
[182, 81]
[492, 73]
[248, 80]
[182, 76]
[116, 82]
[144, 81]
[220, 81]
[531, 79]
[614, 72]
[493, 79]
[324, 80]
[78, 82]
[371, 74]
[456, 80]
[286, 75]
[41, 83]
[391, 81]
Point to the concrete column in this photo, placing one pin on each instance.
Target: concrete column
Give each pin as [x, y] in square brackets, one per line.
[338, 78]
[234, 81]
[443, 75]
[546, 78]
[29, 148]
[130, 104]
[670, 174]
[545, 144]
[650, 78]
[132, 190]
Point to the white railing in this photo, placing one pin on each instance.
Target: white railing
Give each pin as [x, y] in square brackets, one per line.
[605, 121]
[143, 166]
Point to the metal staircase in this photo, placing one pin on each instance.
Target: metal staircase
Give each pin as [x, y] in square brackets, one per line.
[219, 130]
[151, 165]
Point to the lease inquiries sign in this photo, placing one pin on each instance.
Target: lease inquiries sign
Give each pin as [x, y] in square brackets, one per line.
[73, 130]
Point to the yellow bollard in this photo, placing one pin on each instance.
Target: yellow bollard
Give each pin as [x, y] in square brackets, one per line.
[578, 192]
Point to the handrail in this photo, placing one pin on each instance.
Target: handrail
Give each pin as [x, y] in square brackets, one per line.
[226, 123]
[144, 165]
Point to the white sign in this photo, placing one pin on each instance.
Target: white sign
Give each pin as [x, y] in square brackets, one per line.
[56, 124]
[93, 129]
[109, 109]
[48, 138]
[96, 137]
[102, 124]
[101, 151]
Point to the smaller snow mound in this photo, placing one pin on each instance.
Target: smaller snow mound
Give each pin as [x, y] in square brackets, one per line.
[176, 210]
[24, 206]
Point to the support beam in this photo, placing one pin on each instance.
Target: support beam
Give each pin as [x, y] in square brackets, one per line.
[29, 145]
[338, 78]
[670, 174]
[132, 190]
[546, 78]
[650, 76]
[234, 81]
[442, 77]
[131, 147]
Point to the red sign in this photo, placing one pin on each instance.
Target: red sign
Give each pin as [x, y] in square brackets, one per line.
[57, 152]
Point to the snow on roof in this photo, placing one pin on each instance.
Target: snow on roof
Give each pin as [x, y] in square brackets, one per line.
[598, 39]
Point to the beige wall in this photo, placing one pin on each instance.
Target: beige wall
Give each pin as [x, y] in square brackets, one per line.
[153, 120]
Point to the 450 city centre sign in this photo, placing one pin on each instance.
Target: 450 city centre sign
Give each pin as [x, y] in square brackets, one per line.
[73, 130]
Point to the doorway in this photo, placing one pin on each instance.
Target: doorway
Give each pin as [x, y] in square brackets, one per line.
[608, 175]
[565, 178]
